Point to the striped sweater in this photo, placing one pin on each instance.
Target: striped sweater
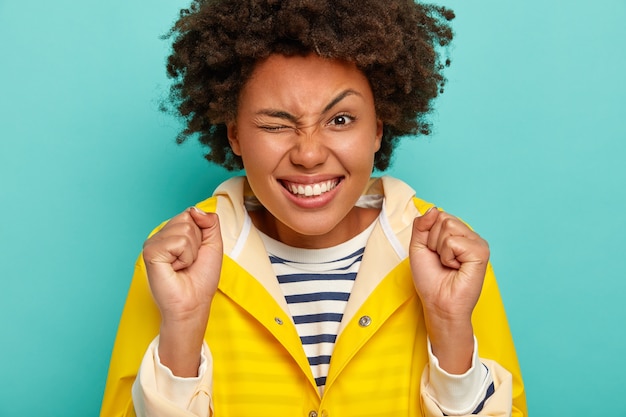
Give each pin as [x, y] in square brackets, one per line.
[316, 284]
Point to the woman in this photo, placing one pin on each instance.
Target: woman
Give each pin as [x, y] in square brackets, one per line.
[308, 287]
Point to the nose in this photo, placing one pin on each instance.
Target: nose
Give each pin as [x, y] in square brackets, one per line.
[309, 149]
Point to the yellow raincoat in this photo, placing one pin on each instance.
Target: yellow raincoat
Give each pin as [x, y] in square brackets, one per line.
[379, 366]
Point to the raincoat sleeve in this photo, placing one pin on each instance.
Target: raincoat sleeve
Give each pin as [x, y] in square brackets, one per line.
[157, 391]
[135, 348]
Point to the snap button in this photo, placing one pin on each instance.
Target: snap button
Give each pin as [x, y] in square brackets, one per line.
[365, 321]
[278, 320]
[313, 414]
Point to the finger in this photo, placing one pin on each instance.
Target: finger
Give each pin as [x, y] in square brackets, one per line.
[208, 224]
[184, 217]
[174, 250]
[458, 251]
[211, 248]
[183, 226]
[422, 226]
[185, 242]
[185, 250]
[447, 254]
[203, 219]
[175, 244]
[437, 231]
[446, 226]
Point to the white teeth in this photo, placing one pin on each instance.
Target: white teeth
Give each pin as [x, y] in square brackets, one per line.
[309, 190]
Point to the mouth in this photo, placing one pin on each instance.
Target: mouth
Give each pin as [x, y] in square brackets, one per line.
[311, 190]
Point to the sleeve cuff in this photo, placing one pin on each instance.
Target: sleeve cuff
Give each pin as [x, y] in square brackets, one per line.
[458, 394]
[174, 388]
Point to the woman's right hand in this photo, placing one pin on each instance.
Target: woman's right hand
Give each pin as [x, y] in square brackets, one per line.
[183, 261]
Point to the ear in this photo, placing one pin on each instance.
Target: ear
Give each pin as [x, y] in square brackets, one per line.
[233, 139]
[379, 134]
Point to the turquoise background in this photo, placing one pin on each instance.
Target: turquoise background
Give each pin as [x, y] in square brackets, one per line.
[529, 147]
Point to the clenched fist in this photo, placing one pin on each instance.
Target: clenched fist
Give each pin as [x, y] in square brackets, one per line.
[448, 262]
[183, 261]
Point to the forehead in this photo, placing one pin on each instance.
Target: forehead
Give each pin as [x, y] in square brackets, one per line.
[302, 81]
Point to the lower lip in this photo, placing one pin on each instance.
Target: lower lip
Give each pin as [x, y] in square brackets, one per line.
[313, 202]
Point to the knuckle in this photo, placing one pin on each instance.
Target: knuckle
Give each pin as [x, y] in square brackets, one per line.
[184, 241]
[148, 244]
[188, 228]
[451, 224]
[447, 220]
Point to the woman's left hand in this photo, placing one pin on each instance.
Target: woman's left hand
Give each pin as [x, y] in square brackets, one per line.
[448, 262]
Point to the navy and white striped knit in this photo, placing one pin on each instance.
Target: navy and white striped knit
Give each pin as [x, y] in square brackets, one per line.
[317, 284]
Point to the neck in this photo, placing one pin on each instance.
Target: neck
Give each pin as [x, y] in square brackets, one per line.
[354, 223]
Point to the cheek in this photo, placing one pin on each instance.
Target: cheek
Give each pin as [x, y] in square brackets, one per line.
[363, 152]
[260, 156]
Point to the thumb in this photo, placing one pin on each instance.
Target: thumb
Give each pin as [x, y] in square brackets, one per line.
[422, 226]
[208, 223]
[211, 248]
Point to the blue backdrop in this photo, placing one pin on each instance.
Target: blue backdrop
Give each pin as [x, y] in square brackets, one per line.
[529, 147]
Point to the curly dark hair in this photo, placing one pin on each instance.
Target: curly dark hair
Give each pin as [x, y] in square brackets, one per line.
[395, 43]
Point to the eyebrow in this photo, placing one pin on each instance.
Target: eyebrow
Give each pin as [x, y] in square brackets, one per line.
[281, 114]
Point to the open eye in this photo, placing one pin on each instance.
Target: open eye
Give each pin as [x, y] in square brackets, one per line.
[341, 120]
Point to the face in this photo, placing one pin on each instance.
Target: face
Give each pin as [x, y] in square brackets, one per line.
[306, 130]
